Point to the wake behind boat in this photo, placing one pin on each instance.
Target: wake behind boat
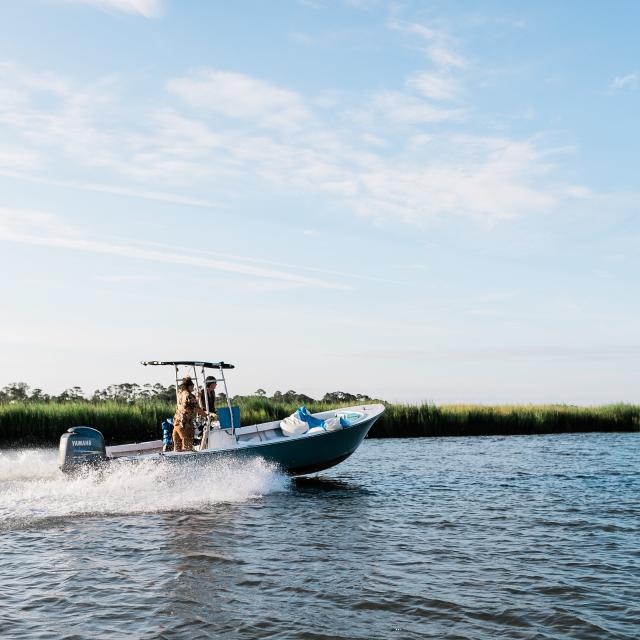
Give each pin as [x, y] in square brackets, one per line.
[300, 444]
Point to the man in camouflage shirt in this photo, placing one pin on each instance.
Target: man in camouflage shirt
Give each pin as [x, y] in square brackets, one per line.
[186, 412]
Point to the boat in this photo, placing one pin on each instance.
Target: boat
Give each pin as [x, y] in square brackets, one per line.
[301, 444]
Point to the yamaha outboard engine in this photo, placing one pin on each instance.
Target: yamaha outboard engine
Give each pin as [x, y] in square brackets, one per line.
[80, 446]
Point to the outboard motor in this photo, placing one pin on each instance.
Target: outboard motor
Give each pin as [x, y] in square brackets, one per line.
[80, 446]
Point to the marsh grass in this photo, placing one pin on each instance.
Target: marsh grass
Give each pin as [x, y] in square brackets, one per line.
[34, 423]
[37, 423]
[472, 420]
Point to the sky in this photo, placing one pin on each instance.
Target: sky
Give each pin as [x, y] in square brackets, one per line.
[421, 201]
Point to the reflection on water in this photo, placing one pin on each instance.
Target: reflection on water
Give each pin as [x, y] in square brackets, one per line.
[321, 484]
[470, 538]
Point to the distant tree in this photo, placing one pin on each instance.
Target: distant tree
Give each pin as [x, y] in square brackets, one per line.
[15, 392]
[294, 396]
[99, 395]
[123, 392]
[37, 395]
[164, 394]
[145, 393]
[71, 394]
[339, 396]
[131, 393]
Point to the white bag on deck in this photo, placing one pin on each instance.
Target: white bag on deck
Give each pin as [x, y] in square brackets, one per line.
[293, 426]
[332, 424]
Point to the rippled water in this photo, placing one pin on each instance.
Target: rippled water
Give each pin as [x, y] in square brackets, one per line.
[520, 537]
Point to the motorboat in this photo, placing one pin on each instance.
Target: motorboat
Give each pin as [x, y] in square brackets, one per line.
[300, 444]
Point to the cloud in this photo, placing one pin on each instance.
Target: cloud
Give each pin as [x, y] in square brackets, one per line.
[404, 109]
[412, 106]
[44, 229]
[145, 8]
[444, 57]
[159, 196]
[239, 96]
[496, 180]
[15, 80]
[273, 263]
[438, 44]
[630, 81]
[434, 86]
[387, 157]
[17, 158]
[578, 192]
[130, 278]
[51, 114]
[15, 222]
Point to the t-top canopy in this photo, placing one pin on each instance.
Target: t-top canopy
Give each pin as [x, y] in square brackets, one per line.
[191, 363]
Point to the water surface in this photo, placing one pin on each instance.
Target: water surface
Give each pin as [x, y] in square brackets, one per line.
[518, 537]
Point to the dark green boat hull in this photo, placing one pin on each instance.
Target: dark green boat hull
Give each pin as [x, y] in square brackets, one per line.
[295, 456]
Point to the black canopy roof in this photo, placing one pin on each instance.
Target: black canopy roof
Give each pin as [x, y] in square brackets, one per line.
[191, 363]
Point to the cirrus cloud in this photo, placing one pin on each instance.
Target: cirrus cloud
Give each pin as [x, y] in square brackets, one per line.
[216, 134]
[239, 96]
[628, 81]
[145, 8]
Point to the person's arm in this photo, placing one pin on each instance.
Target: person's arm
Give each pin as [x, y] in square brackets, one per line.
[191, 405]
[196, 405]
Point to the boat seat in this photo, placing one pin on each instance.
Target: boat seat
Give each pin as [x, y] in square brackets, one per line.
[225, 417]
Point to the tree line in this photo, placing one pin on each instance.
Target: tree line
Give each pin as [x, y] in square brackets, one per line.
[132, 393]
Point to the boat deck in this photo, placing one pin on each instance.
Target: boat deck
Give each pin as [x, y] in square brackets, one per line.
[267, 432]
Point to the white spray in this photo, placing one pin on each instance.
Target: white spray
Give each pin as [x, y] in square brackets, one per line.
[32, 488]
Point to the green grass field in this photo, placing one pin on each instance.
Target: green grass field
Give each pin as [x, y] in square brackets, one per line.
[34, 423]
